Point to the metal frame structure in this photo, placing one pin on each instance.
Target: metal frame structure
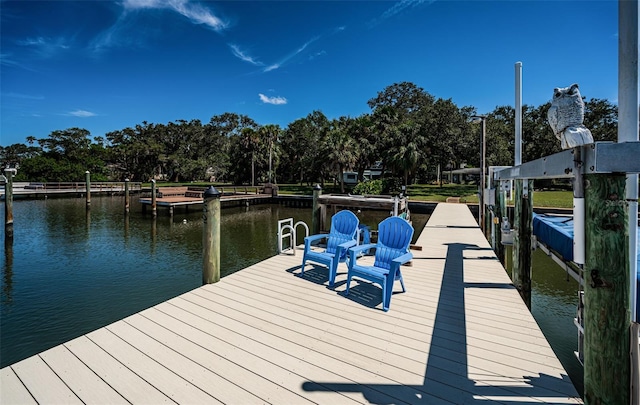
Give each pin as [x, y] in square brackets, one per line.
[599, 157]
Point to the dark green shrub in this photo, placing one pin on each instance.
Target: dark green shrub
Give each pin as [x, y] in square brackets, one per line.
[368, 187]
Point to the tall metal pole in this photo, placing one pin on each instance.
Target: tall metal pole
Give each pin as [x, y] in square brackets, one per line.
[628, 113]
[628, 101]
[483, 226]
[523, 210]
[518, 134]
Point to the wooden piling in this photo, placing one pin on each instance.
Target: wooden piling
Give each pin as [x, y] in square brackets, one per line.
[126, 195]
[153, 198]
[211, 236]
[8, 204]
[87, 181]
[606, 308]
[523, 227]
[315, 211]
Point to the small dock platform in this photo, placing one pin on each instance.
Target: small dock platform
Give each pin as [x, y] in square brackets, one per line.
[171, 197]
[461, 334]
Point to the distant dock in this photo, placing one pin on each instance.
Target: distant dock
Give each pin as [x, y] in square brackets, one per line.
[61, 189]
[173, 197]
[460, 334]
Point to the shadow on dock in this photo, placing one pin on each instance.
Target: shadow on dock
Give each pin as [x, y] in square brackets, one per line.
[447, 375]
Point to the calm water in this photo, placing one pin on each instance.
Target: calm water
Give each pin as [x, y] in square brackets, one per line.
[69, 272]
[553, 304]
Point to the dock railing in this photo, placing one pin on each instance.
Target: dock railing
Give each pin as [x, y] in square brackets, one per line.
[72, 187]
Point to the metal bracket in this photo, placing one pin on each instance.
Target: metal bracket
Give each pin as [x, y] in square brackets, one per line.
[599, 157]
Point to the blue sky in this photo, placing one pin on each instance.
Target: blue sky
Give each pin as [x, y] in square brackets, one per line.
[105, 66]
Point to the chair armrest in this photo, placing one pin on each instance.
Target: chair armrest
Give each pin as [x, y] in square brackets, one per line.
[313, 238]
[402, 259]
[354, 250]
[346, 245]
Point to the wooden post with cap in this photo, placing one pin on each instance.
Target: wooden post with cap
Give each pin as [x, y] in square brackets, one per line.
[8, 204]
[87, 180]
[153, 198]
[211, 236]
[315, 211]
[126, 195]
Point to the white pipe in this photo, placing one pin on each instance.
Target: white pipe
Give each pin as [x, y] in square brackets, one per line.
[628, 121]
[518, 151]
[578, 230]
[628, 132]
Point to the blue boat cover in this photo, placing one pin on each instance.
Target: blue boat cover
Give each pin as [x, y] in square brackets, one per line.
[557, 233]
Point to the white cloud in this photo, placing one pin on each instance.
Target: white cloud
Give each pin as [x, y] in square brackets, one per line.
[284, 60]
[24, 96]
[81, 113]
[272, 100]
[197, 13]
[240, 54]
[271, 67]
[397, 8]
[45, 47]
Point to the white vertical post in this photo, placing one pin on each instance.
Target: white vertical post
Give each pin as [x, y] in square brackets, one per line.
[628, 132]
[628, 122]
[518, 142]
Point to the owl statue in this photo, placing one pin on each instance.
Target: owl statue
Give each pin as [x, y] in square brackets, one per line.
[566, 115]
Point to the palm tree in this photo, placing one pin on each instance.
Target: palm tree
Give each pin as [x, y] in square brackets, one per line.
[341, 147]
[270, 133]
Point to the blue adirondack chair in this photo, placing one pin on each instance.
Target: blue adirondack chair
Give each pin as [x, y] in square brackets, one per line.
[392, 250]
[341, 237]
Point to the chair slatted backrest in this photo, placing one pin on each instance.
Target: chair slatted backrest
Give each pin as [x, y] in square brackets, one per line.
[344, 225]
[394, 238]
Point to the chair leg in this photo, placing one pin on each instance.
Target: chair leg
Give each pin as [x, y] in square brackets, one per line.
[348, 283]
[304, 261]
[401, 280]
[332, 273]
[387, 289]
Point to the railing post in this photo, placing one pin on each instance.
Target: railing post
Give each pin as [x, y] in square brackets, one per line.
[153, 198]
[522, 224]
[87, 181]
[501, 212]
[126, 195]
[606, 300]
[211, 236]
[8, 204]
[315, 211]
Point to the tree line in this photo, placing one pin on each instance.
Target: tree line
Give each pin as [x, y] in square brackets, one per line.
[409, 132]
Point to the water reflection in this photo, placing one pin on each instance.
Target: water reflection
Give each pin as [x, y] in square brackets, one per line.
[7, 274]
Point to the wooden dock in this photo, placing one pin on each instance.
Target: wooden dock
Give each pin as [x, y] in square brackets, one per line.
[171, 197]
[459, 335]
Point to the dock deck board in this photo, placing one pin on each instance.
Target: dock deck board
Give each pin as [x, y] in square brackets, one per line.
[460, 334]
